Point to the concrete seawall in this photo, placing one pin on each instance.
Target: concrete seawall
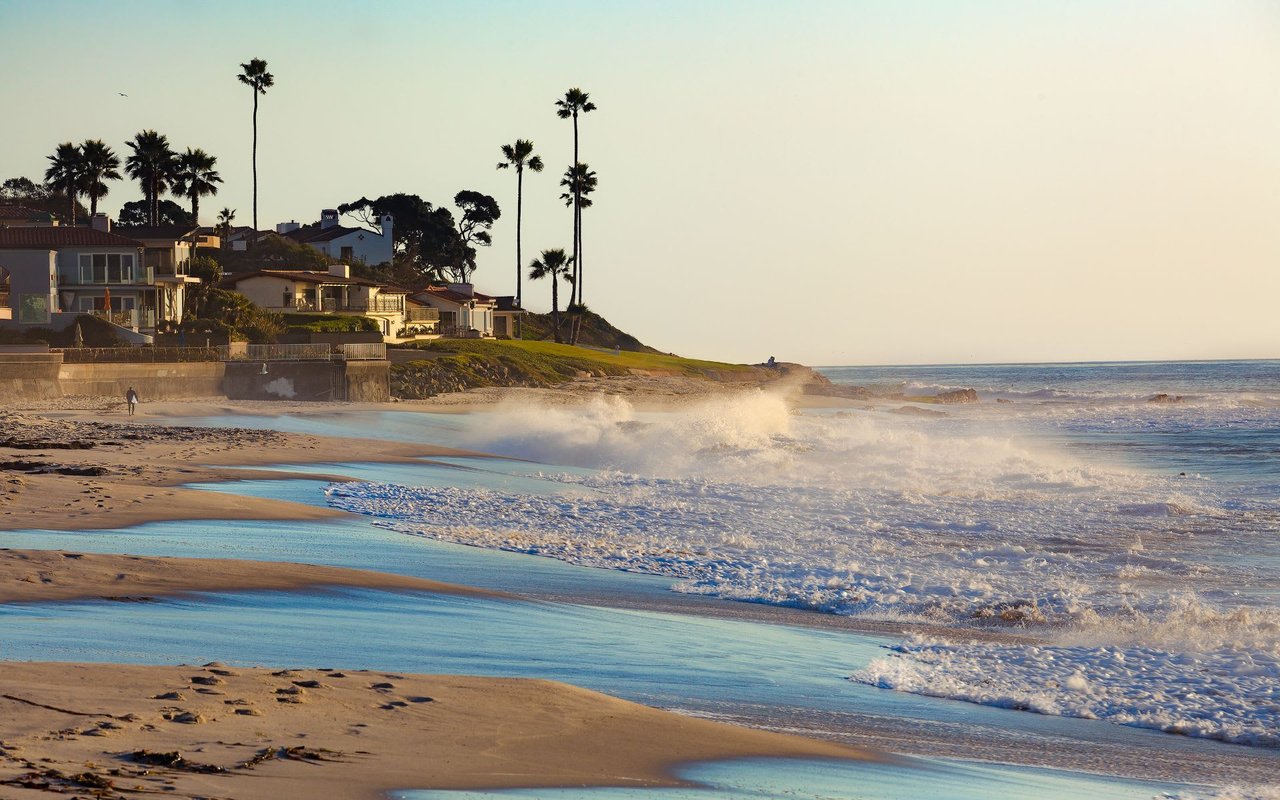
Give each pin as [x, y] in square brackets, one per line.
[43, 376]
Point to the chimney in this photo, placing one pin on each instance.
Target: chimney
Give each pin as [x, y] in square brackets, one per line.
[387, 226]
[100, 222]
[463, 288]
[340, 270]
[286, 227]
[328, 218]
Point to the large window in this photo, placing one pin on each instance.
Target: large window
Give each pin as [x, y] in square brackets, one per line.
[106, 268]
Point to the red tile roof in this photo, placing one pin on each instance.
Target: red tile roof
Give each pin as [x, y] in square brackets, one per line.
[22, 212]
[54, 238]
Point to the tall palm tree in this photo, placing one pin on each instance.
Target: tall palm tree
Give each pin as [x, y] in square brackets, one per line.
[66, 174]
[151, 165]
[194, 177]
[575, 102]
[579, 182]
[99, 164]
[255, 76]
[520, 156]
[225, 216]
[553, 264]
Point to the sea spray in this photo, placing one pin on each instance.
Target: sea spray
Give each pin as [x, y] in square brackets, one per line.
[965, 521]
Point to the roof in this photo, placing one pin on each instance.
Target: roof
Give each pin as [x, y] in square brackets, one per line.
[23, 212]
[174, 232]
[507, 303]
[314, 233]
[307, 276]
[53, 238]
[460, 298]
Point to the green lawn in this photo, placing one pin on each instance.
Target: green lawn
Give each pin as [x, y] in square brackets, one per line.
[548, 357]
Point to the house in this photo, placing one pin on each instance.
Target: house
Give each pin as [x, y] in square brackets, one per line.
[334, 293]
[464, 312]
[167, 249]
[505, 317]
[12, 216]
[345, 244]
[55, 273]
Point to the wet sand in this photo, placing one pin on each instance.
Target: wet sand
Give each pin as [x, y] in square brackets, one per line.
[217, 731]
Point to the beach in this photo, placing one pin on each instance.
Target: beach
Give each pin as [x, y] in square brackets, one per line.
[507, 472]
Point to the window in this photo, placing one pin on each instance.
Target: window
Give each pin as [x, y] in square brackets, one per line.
[288, 299]
[347, 254]
[106, 268]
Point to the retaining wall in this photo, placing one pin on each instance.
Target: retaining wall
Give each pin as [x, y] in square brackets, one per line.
[29, 376]
[357, 381]
[158, 381]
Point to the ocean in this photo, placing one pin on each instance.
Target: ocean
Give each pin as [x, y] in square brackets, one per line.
[1127, 547]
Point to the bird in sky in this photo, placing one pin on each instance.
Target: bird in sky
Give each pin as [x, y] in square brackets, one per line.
[122, 94]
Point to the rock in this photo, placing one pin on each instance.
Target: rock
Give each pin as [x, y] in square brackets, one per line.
[916, 411]
[956, 396]
[1165, 398]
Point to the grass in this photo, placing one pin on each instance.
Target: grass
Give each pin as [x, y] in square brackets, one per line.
[550, 360]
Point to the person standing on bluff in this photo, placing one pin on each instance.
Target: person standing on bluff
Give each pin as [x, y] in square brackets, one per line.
[131, 397]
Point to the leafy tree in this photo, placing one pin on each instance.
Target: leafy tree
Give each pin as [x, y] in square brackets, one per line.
[194, 177]
[519, 156]
[424, 237]
[479, 212]
[66, 174]
[255, 76]
[152, 166]
[209, 271]
[553, 264]
[26, 192]
[169, 213]
[98, 164]
[22, 189]
[575, 102]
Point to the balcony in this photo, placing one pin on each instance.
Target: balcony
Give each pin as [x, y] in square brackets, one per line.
[136, 277]
[422, 315]
[328, 305]
[134, 318]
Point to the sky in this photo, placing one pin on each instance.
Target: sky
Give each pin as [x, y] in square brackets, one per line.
[829, 181]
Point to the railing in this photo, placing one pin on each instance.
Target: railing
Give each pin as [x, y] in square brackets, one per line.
[370, 351]
[140, 276]
[129, 318]
[365, 351]
[116, 355]
[459, 332]
[378, 305]
[422, 315]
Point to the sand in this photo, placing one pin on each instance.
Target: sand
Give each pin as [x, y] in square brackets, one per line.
[309, 733]
[47, 575]
[76, 474]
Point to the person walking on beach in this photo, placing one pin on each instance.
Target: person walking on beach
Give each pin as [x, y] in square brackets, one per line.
[131, 397]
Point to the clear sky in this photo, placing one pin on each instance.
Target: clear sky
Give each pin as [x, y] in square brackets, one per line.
[833, 182]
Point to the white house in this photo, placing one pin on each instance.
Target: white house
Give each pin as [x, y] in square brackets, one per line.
[464, 312]
[343, 243]
[326, 293]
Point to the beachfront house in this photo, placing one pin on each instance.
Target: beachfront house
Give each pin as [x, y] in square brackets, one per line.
[54, 274]
[332, 293]
[349, 245]
[167, 249]
[464, 312]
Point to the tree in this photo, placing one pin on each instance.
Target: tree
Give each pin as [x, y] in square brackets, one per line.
[424, 237]
[168, 213]
[99, 164]
[553, 264]
[579, 182]
[66, 174]
[151, 165]
[225, 216]
[575, 102]
[479, 212]
[22, 189]
[194, 177]
[520, 156]
[255, 76]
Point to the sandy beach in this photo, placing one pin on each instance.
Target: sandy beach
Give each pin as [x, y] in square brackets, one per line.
[114, 731]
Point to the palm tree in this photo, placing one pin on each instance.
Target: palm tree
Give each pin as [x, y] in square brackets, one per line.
[553, 264]
[225, 216]
[575, 102]
[194, 177]
[579, 182]
[519, 155]
[99, 164]
[151, 165]
[255, 76]
[66, 173]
